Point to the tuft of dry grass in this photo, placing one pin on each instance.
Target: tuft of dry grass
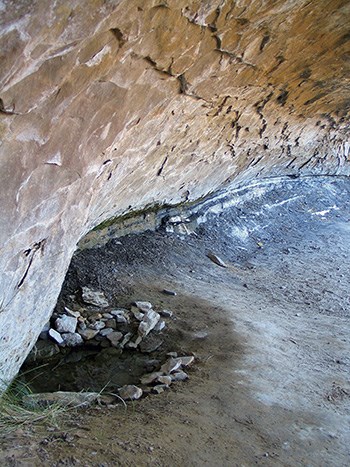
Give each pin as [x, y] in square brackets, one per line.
[14, 413]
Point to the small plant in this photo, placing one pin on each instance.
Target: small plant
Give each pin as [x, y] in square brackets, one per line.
[15, 412]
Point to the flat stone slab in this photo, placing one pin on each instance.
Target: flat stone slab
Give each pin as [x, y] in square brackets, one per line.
[61, 398]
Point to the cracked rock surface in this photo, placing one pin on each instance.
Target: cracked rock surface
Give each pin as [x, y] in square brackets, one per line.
[108, 107]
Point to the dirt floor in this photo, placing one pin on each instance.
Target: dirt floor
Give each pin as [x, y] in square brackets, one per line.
[270, 333]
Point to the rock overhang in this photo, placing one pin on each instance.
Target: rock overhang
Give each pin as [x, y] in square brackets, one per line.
[108, 107]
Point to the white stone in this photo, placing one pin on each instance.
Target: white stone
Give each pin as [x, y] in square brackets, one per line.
[217, 260]
[70, 312]
[148, 322]
[143, 306]
[56, 336]
[94, 297]
[66, 324]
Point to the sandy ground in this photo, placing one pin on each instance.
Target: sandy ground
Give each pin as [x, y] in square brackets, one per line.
[271, 336]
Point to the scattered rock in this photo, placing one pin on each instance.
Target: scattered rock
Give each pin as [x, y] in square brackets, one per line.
[98, 325]
[70, 312]
[94, 297]
[115, 337]
[150, 343]
[148, 322]
[111, 323]
[179, 375]
[66, 324]
[107, 316]
[137, 313]
[87, 333]
[159, 326]
[143, 306]
[121, 316]
[151, 365]
[167, 380]
[72, 339]
[130, 392]
[94, 316]
[151, 378]
[56, 336]
[62, 398]
[200, 335]
[170, 365]
[159, 388]
[175, 363]
[186, 361]
[169, 292]
[134, 345]
[126, 339]
[106, 331]
[216, 259]
[166, 313]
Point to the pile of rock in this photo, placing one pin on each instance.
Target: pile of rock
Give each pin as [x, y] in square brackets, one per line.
[99, 325]
[94, 323]
[157, 382]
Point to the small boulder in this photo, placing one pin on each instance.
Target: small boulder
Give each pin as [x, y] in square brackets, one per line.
[179, 375]
[87, 333]
[130, 392]
[159, 326]
[150, 378]
[105, 332]
[66, 324]
[72, 339]
[114, 338]
[56, 336]
[97, 325]
[216, 259]
[150, 343]
[170, 365]
[167, 380]
[148, 322]
[166, 313]
[62, 398]
[94, 297]
[126, 339]
[169, 292]
[70, 312]
[159, 388]
[137, 313]
[111, 323]
[143, 306]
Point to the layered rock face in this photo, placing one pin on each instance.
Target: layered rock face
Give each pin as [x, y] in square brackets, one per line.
[111, 106]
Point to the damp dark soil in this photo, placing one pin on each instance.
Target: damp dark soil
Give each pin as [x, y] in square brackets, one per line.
[270, 333]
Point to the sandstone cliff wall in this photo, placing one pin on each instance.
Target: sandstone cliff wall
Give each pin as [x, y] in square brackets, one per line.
[110, 106]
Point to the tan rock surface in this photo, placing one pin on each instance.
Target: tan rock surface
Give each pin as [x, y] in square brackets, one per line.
[109, 106]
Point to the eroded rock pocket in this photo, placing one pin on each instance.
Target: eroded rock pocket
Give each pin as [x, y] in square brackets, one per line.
[94, 347]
